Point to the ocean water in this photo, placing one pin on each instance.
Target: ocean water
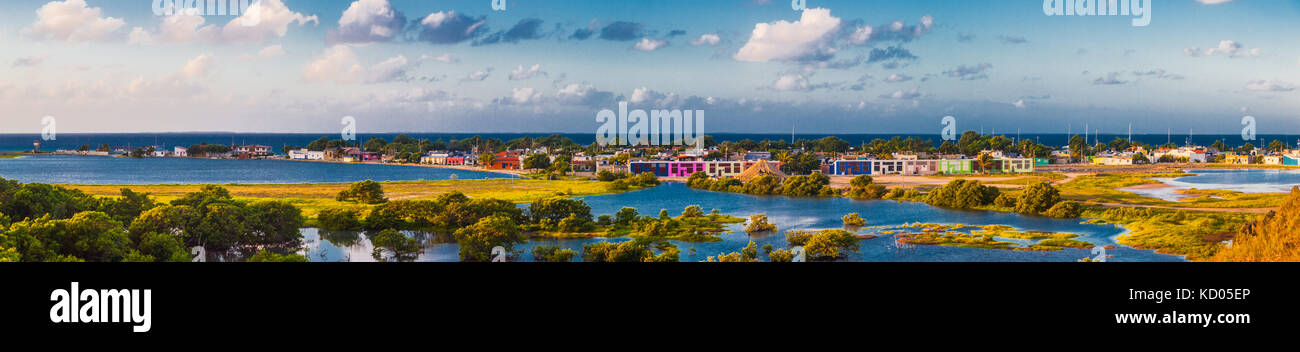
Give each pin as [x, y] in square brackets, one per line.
[57, 169]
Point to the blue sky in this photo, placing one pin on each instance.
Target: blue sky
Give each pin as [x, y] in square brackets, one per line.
[751, 65]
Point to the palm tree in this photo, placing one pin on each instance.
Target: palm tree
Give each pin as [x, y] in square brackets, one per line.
[984, 161]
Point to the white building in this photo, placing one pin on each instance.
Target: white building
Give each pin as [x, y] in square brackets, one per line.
[180, 152]
[304, 154]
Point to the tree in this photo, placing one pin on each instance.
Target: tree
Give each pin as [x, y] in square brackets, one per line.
[402, 247]
[985, 161]
[264, 256]
[854, 220]
[553, 254]
[558, 208]
[1037, 198]
[338, 219]
[758, 224]
[537, 161]
[487, 159]
[476, 241]
[367, 192]
[1064, 210]
[1276, 146]
[276, 223]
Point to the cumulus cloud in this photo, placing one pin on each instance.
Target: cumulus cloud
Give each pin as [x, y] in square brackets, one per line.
[197, 67]
[893, 53]
[1110, 79]
[968, 73]
[649, 44]
[367, 21]
[450, 27]
[795, 82]
[808, 39]
[707, 39]
[446, 58]
[526, 29]
[895, 78]
[72, 21]
[264, 20]
[339, 64]
[583, 94]
[896, 31]
[1228, 48]
[478, 76]
[1269, 86]
[622, 31]
[523, 95]
[1158, 73]
[520, 73]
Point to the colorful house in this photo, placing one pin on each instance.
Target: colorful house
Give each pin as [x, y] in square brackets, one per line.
[1234, 158]
[1291, 160]
[686, 168]
[505, 163]
[956, 166]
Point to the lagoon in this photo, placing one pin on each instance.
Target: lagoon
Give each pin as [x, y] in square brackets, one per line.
[1241, 180]
[788, 214]
[94, 170]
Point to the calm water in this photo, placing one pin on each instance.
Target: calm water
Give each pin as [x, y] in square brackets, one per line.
[107, 170]
[1249, 181]
[788, 214]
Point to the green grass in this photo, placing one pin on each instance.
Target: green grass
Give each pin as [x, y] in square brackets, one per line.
[314, 197]
[983, 237]
[1180, 232]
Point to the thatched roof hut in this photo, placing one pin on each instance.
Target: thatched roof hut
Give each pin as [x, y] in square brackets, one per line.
[760, 168]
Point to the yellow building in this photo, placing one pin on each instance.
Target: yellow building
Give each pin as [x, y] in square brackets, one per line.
[1234, 158]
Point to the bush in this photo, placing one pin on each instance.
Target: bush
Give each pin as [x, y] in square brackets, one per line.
[610, 176]
[1064, 210]
[781, 256]
[758, 223]
[1005, 201]
[830, 244]
[693, 211]
[854, 220]
[1037, 198]
[871, 191]
[339, 219]
[368, 192]
[962, 194]
[553, 254]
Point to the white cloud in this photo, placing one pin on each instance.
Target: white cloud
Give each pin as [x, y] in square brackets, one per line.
[520, 73]
[649, 44]
[524, 95]
[895, 78]
[264, 20]
[903, 94]
[808, 38]
[477, 76]
[367, 21]
[707, 39]
[72, 21]
[1269, 86]
[444, 58]
[643, 94]
[339, 64]
[1228, 48]
[1019, 104]
[197, 67]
